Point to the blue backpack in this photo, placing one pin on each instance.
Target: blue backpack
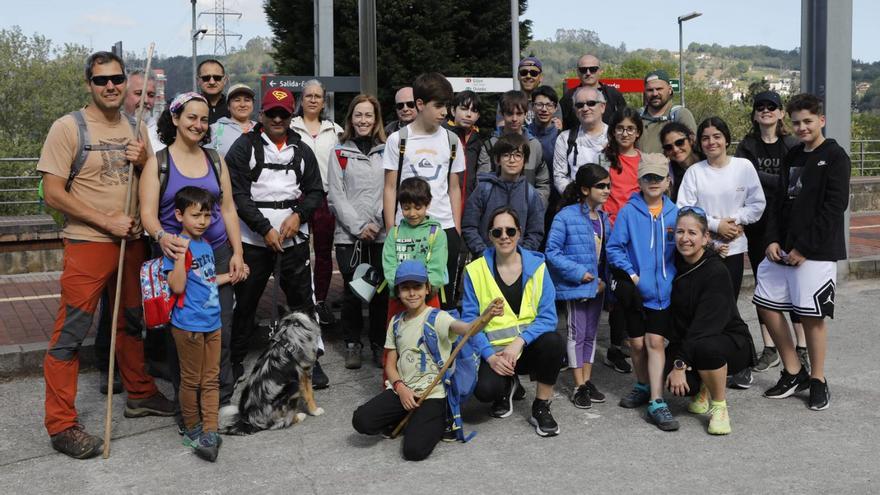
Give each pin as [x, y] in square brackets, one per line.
[460, 379]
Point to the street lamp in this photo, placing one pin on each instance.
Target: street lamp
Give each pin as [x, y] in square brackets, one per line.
[194, 34]
[681, 20]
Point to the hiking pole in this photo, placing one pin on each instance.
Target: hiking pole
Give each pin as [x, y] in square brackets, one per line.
[476, 327]
[108, 420]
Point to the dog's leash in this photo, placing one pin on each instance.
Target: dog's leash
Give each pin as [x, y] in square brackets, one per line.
[273, 327]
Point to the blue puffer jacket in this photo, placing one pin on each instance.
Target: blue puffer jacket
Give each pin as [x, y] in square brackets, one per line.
[644, 246]
[492, 193]
[571, 252]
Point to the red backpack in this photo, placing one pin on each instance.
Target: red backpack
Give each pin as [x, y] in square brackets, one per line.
[158, 300]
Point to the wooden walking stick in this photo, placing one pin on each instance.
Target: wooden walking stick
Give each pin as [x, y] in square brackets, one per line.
[108, 420]
[476, 326]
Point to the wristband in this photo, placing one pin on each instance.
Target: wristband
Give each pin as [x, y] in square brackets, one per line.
[394, 385]
[158, 235]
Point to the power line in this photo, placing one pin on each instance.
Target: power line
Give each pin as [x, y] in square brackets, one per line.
[220, 34]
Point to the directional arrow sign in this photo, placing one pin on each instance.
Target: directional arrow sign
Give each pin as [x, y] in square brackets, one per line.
[333, 84]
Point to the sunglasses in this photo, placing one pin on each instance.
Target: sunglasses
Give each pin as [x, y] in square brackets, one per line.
[765, 107]
[601, 185]
[678, 143]
[589, 103]
[591, 69]
[278, 113]
[696, 209]
[215, 77]
[407, 104]
[529, 72]
[116, 79]
[498, 231]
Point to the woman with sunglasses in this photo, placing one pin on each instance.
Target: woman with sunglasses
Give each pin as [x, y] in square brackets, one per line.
[765, 146]
[678, 145]
[729, 191]
[524, 339]
[322, 136]
[183, 127]
[708, 339]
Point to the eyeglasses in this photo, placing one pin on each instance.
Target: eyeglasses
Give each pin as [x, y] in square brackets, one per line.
[116, 79]
[589, 103]
[602, 185]
[591, 69]
[652, 178]
[215, 77]
[625, 130]
[512, 155]
[278, 113]
[498, 231]
[765, 107]
[407, 104]
[678, 143]
[543, 106]
[529, 72]
[696, 209]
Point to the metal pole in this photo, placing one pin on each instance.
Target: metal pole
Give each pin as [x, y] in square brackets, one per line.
[514, 40]
[192, 35]
[680, 63]
[367, 45]
[324, 8]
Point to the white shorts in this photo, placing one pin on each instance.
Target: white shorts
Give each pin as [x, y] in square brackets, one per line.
[806, 290]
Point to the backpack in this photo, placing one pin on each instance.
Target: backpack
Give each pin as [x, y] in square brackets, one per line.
[404, 134]
[162, 167]
[460, 379]
[673, 115]
[572, 147]
[80, 158]
[157, 298]
[260, 159]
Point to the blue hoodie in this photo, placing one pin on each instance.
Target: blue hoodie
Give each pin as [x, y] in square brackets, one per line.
[492, 193]
[546, 320]
[644, 246]
[571, 252]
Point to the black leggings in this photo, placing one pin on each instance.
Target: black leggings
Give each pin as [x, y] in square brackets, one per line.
[454, 248]
[712, 353]
[734, 265]
[352, 314]
[541, 360]
[421, 433]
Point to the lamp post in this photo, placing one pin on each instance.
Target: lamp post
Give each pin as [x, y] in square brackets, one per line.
[681, 20]
[194, 34]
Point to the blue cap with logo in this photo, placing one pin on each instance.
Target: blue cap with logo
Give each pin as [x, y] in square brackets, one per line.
[411, 271]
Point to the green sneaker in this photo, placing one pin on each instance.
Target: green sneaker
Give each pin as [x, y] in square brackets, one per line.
[191, 437]
[700, 403]
[719, 421]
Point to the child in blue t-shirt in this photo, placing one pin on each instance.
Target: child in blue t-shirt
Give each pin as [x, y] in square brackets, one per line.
[196, 324]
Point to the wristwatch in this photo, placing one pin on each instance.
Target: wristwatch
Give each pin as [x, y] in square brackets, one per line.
[158, 235]
[679, 365]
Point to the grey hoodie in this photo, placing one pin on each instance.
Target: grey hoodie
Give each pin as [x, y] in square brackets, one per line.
[356, 182]
[224, 132]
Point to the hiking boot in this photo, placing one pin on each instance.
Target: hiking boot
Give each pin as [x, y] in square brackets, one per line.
[320, 380]
[117, 382]
[660, 415]
[377, 356]
[700, 403]
[719, 420]
[635, 398]
[615, 359]
[769, 359]
[788, 384]
[325, 314]
[503, 407]
[820, 398]
[742, 380]
[208, 445]
[802, 353]
[542, 420]
[353, 356]
[191, 437]
[76, 443]
[595, 395]
[581, 397]
[155, 405]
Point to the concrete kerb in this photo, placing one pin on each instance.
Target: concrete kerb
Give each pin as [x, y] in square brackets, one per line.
[22, 359]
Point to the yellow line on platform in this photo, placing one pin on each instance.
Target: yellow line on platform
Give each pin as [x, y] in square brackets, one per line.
[29, 298]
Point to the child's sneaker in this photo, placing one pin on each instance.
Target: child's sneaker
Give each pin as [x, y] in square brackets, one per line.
[742, 380]
[700, 403]
[804, 357]
[581, 397]
[788, 384]
[503, 407]
[542, 420]
[638, 396]
[769, 359]
[661, 416]
[616, 359]
[820, 399]
[719, 421]
[191, 437]
[208, 445]
[595, 395]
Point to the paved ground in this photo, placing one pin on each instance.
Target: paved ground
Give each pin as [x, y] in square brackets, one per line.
[776, 446]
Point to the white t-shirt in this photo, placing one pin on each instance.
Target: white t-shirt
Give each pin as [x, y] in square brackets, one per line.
[589, 147]
[733, 191]
[427, 156]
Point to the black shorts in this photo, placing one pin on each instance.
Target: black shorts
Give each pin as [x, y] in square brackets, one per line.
[656, 321]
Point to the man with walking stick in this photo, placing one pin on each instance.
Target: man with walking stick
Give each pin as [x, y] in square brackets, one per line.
[85, 166]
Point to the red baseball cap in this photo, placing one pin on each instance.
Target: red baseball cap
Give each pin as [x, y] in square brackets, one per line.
[278, 98]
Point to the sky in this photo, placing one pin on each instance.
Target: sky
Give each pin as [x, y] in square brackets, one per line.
[640, 23]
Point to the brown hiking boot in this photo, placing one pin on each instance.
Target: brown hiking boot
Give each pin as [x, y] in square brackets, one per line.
[76, 443]
[156, 405]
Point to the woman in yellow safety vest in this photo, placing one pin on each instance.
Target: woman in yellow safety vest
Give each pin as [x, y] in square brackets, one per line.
[524, 339]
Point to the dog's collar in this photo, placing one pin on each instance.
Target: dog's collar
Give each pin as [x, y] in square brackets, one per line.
[274, 337]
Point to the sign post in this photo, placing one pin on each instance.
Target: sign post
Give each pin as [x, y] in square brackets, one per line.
[481, 84]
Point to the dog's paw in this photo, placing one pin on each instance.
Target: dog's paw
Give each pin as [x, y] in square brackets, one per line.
[300, 417]
[317, 412]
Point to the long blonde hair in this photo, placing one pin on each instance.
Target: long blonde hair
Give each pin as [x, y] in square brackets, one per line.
[378, 133]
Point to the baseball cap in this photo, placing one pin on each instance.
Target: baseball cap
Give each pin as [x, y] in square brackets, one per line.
[240, 88]
[411, 271]
[771, 96]
[278, 98]
[657, 74]
[653, 163]
[531, 61]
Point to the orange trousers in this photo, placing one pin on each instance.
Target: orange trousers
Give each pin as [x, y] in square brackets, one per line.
[88, 268]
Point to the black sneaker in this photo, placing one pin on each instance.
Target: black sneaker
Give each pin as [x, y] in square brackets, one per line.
[820, 398]
[155, 405]
[117, 382]
[208, 445]
[616, 359]
[76, 443]
[388, 431]
[449, 434]
[660, 415]
[542, 420]
[503, 407]
[742, 380]
[788, 384]
[595, 395]
[325, 315]
[635, 398]
[319, 378]
[520, 392]
[581, 398]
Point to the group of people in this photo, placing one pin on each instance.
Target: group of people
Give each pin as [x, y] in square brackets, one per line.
[573, 204]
